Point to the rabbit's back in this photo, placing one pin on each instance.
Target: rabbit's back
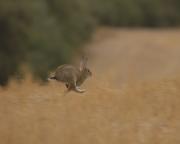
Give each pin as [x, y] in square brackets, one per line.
[66, 73]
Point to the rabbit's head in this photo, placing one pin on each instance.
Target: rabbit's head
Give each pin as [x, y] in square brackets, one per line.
[83, 66]
[84, 71]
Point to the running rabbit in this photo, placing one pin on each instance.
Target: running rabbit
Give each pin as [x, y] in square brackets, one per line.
[73, 77]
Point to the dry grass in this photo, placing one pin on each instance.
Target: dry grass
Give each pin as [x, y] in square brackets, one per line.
[132, 98]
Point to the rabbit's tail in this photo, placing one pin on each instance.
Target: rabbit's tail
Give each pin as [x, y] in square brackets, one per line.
[51, 77]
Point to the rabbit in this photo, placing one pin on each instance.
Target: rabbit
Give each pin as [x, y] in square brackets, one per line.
[72, 76]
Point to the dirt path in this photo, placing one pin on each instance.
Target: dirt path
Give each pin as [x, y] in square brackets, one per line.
[121, 56]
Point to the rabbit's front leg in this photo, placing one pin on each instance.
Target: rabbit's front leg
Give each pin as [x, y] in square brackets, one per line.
[67, 85]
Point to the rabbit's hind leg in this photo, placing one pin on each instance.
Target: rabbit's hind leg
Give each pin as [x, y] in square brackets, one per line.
[77, 89]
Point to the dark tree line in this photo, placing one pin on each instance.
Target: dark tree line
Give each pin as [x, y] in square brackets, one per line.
[45, 33]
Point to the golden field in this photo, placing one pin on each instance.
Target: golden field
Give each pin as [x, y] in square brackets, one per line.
[132, 98]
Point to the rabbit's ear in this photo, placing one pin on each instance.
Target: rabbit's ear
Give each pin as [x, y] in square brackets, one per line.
[83, 63]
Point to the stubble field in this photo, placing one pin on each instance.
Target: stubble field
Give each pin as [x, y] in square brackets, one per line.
[132, 98]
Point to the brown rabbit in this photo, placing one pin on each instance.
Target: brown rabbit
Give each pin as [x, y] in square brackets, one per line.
[72, 77]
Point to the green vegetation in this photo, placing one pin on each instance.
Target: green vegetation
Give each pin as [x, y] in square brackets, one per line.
[151, 13]
[46, 33]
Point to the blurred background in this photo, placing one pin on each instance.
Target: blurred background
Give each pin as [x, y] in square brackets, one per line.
[133, 48]
[43, 34]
